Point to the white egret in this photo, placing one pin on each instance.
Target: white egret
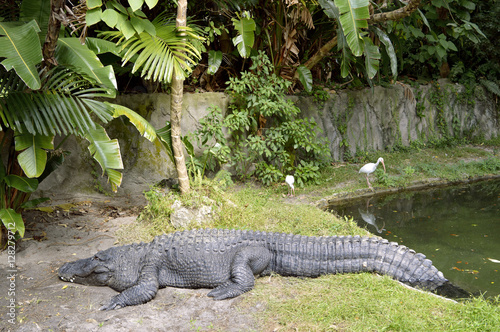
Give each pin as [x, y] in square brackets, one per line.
[289, 181]
[370, 168]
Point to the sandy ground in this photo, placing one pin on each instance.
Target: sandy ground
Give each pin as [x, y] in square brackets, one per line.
[45, 303]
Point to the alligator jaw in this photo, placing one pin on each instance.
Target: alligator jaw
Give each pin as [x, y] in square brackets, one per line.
[67, 279]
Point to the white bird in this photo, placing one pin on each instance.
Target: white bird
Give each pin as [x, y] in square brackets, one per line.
[289, 181]
[370, 168]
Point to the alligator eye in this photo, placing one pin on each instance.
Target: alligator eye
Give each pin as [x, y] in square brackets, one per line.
[95, 258]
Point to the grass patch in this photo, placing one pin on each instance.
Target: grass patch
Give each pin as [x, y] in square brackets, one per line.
[408, 166]
[365, 302]
[245, 207]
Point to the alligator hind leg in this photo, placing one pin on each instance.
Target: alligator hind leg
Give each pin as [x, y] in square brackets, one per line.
[247, 262]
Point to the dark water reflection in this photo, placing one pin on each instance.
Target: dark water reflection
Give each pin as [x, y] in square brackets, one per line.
[458, 228]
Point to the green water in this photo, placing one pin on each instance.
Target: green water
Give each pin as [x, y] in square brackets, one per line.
[458, 228]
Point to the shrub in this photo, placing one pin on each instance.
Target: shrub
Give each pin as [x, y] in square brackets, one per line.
[267, 139]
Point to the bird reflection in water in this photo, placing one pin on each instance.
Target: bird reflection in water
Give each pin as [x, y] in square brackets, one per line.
[369, 218]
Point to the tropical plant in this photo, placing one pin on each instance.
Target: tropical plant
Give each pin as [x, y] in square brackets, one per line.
[63, 94]
[267, 139]
[432, 39]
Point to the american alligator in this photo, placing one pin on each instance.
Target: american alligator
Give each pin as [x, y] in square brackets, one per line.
[227, 261]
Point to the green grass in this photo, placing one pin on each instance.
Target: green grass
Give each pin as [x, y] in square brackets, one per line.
[406, 167]
[364, 302]
[351, 302]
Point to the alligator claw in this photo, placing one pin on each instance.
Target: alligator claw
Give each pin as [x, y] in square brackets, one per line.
[110, 306]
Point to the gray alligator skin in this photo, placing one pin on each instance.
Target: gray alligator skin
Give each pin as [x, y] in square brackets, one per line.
[227, 260]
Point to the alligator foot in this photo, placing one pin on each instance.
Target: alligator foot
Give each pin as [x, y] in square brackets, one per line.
[228, 290]
[247, 262]
[110, 306]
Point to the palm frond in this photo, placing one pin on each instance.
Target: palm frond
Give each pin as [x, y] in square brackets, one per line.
[63, 105]
[161, 56]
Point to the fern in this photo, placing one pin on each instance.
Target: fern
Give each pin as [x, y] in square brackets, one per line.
[491, 86]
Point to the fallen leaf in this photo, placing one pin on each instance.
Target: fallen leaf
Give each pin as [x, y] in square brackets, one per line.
[48, 209]
[66, 206]
[65, 286]
[493, 260]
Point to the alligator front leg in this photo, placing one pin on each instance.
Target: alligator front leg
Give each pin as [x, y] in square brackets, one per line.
[247, 262]
[142, 292]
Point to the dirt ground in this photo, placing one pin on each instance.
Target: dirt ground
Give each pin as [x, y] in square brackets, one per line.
[78, 229]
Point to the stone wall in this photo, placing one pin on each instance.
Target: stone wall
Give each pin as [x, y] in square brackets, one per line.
[354, 120]
[374, 119]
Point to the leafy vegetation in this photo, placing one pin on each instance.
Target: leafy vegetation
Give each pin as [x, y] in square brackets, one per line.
[268, 140]
[62, 95]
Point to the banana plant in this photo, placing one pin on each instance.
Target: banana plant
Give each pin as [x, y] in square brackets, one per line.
[245, 25]
[352, 40]
[37, 104]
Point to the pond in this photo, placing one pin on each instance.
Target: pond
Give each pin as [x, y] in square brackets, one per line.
[458, 228]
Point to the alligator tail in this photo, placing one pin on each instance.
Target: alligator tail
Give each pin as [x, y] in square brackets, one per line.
[315, 256]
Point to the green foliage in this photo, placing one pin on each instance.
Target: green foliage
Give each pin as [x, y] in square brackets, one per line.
[264, 129]
[305, 77]
[319, 95]
[37, 103]
[160, 56]
[448, 34]
[16, 47]
[245, 25]
[214, 61]
[353, 17]
[128, 21]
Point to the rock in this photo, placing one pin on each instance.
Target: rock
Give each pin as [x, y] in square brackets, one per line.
[183, 217]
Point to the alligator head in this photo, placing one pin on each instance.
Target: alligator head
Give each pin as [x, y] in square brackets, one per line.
[116, 267]
[93, 271]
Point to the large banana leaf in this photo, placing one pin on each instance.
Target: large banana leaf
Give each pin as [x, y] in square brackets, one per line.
[21, 183]
[143, 126]
[245, 39]
[107, 153]
[38, 10]
[389, 49]
[12, 220]
[347, 57]
[22, 51]
[62, 106]
[214, 61]
[372, 57]
[33, 157]
[330, 9]
[160, 56]
[165, 135]
[71, 52]
[353, 17]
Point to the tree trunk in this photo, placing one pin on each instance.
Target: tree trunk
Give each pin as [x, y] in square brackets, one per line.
[397, 14]
[176, 111]
[381, 17]
[49, 47]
